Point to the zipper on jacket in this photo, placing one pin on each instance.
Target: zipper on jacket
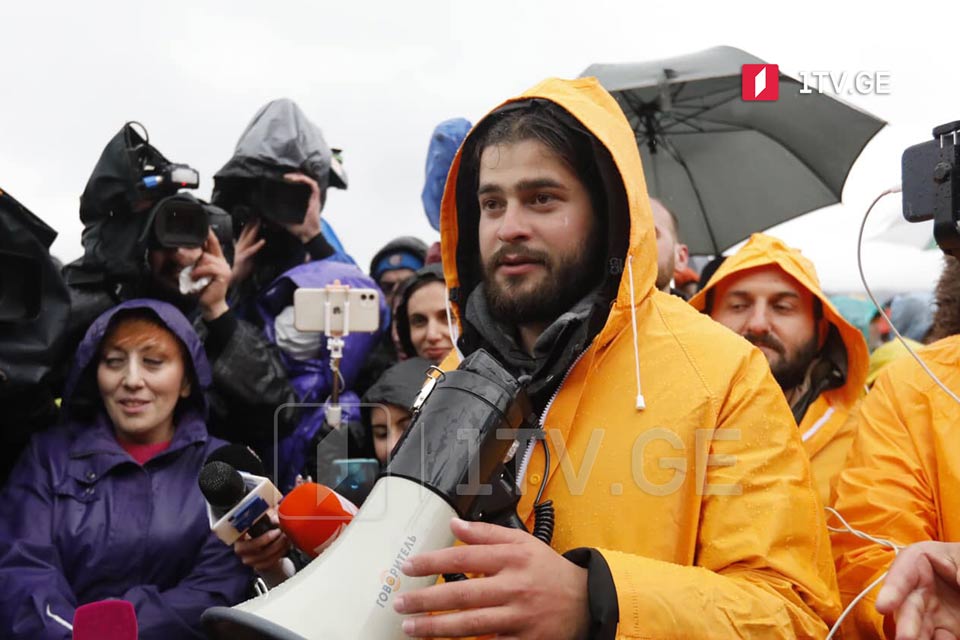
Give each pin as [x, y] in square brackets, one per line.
[525, 460]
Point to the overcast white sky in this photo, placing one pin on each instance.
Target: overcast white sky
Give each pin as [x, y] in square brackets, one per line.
[377, 76]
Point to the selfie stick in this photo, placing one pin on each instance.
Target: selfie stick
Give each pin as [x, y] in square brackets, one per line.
[335, 343]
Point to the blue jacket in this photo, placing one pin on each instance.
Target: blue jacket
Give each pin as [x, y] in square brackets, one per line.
[81, 521]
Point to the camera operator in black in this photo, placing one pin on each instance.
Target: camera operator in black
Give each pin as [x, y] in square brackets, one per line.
[136, 246]
[274, 188]
[34, 308]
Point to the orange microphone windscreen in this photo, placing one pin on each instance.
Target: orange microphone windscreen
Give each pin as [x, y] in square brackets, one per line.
[313, 515]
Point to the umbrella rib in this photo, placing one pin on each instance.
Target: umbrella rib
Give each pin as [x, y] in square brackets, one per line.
[706, 220]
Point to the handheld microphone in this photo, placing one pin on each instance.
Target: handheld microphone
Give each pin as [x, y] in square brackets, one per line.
[240, 457]
[313, 515]
[105, 620]
[237, 502]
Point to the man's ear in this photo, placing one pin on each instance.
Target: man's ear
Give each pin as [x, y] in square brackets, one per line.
[681, 257]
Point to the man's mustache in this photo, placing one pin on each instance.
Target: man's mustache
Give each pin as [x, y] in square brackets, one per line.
[766, 340]
[517, 251]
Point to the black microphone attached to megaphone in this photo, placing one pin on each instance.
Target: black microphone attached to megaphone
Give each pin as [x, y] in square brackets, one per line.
[452, 461]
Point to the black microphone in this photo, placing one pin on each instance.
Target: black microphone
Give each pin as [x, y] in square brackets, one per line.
[240, 457]
[223, 488]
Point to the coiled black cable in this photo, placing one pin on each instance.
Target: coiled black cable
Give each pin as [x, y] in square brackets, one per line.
[544, 515]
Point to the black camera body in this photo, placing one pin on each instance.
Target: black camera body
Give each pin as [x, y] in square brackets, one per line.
[930, 174]
[274, 200]
[180, 220]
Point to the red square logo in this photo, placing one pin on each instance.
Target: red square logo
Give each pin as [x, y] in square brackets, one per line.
[760, 82]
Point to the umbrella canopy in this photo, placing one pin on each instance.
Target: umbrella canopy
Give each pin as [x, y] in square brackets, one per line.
[727, 167]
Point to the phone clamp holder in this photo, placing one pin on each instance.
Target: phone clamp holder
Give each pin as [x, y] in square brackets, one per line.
[336, 342]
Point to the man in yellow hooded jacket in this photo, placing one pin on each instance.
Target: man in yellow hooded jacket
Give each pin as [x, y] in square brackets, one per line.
[770, 294]
[900, 484]
[684, 506]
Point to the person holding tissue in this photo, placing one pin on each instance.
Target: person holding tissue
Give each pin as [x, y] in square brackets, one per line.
[135, 248]
[106, 505]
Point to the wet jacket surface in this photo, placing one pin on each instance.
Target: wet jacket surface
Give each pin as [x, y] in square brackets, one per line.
[827, 425]
[701, 503]
[81, 521]
[901, 479]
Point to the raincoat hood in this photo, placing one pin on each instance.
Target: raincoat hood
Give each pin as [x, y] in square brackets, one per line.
[280, 139]
[312, 378]
[444, 143]
[762, 250]
[82, 378]
[597, 112]
[400, 384]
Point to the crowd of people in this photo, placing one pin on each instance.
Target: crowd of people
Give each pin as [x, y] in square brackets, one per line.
[698, 423]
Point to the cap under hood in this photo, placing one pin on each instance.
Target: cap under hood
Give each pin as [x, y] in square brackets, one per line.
[763, 250]
[400, 384]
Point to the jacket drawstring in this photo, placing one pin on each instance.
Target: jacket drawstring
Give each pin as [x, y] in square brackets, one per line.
[641, 403]
[63, 623]
[453, 329]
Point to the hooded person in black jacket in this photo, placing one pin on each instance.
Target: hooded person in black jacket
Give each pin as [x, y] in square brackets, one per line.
[275, 187]
[128, 255]
[34, 308]
[386, 405]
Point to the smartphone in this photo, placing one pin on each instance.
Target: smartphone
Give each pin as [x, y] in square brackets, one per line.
[928, 175]
[345, 309]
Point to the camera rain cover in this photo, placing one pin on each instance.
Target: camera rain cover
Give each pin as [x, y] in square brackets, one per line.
[279, 140]
[34, 303]
[112, 204]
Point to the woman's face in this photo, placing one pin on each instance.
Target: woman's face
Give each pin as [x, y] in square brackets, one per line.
[388, 422]
[141, 377]
[427, 313]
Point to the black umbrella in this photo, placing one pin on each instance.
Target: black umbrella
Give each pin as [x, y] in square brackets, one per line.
[725, 166]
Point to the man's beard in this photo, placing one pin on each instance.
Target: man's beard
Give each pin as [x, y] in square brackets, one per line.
[565, 282]
[788, 372]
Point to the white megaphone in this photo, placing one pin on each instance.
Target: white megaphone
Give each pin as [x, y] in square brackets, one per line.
[451, 461]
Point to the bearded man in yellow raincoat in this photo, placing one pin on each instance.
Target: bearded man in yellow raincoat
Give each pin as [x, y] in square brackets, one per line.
[684, 505]
[770, 294]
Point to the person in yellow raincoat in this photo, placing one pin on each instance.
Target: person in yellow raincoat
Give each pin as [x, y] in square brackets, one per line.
[770, 294]
[684, 505]
[901, 484]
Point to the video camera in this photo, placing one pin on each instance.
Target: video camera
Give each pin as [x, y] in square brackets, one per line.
[271, 198]
[930, 174]
[177, 219]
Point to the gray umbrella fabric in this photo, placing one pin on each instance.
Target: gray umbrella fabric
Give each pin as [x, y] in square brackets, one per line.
[727, 167]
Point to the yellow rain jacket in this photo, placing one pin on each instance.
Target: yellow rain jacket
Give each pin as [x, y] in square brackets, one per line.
[701, 503]
[900, 482]
[828, 425]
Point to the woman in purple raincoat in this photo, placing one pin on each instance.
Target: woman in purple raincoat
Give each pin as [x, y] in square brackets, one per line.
[107, 505]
